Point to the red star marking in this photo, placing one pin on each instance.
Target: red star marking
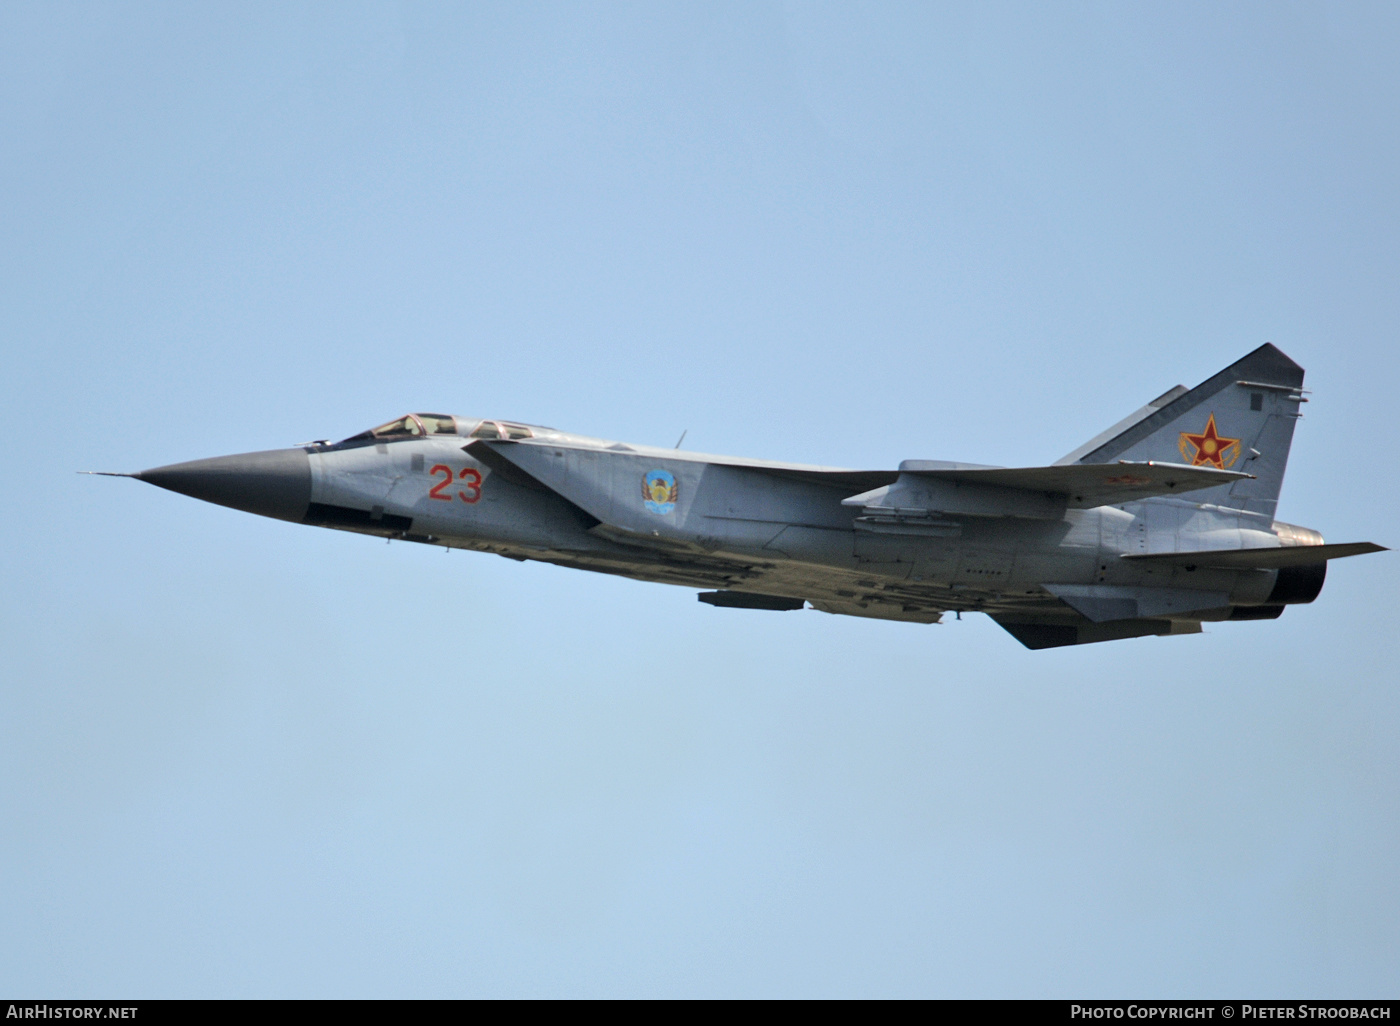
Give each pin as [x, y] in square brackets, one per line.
[1210, 447]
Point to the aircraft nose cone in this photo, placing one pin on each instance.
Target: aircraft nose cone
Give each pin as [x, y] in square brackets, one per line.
[272, 484]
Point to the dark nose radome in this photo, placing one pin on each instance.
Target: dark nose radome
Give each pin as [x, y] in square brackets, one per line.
[272, 484]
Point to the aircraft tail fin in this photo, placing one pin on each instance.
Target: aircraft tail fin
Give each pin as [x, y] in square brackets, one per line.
[1241, 419]
[1122, 426]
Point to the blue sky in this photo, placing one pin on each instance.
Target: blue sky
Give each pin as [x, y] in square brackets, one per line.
[244, 758]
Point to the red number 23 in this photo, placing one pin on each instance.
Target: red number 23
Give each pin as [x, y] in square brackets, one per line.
[470, 476]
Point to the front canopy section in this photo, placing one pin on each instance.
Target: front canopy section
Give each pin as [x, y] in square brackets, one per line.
[413, 425]
[423, 425]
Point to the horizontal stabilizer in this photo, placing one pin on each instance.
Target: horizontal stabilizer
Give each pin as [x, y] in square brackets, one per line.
[1084, 485]
[1259, 559]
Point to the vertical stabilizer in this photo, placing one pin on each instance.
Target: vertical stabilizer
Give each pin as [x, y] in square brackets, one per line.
[1241, 419]
[1122, 425]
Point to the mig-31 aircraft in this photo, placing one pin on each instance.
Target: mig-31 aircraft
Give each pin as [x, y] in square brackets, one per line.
[1161, 523]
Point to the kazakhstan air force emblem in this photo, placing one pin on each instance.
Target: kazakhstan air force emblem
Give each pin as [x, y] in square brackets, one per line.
[1209, 448]
[659, 491]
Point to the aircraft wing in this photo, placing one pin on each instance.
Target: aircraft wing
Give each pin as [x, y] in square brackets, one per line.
[1084, 485]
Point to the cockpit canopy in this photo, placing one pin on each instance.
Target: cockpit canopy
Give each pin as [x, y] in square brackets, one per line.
[416, 425]
[420, 425]
[501, 429]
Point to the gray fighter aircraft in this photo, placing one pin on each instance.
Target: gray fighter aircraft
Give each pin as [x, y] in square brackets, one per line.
[1162, 522]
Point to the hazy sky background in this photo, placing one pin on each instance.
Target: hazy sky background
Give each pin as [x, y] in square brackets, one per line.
[240, 757]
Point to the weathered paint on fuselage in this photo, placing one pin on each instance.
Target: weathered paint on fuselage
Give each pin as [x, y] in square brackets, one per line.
[1161, 522]
[750, 530]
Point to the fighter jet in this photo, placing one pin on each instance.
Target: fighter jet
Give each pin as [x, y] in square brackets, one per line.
[1161, 523]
